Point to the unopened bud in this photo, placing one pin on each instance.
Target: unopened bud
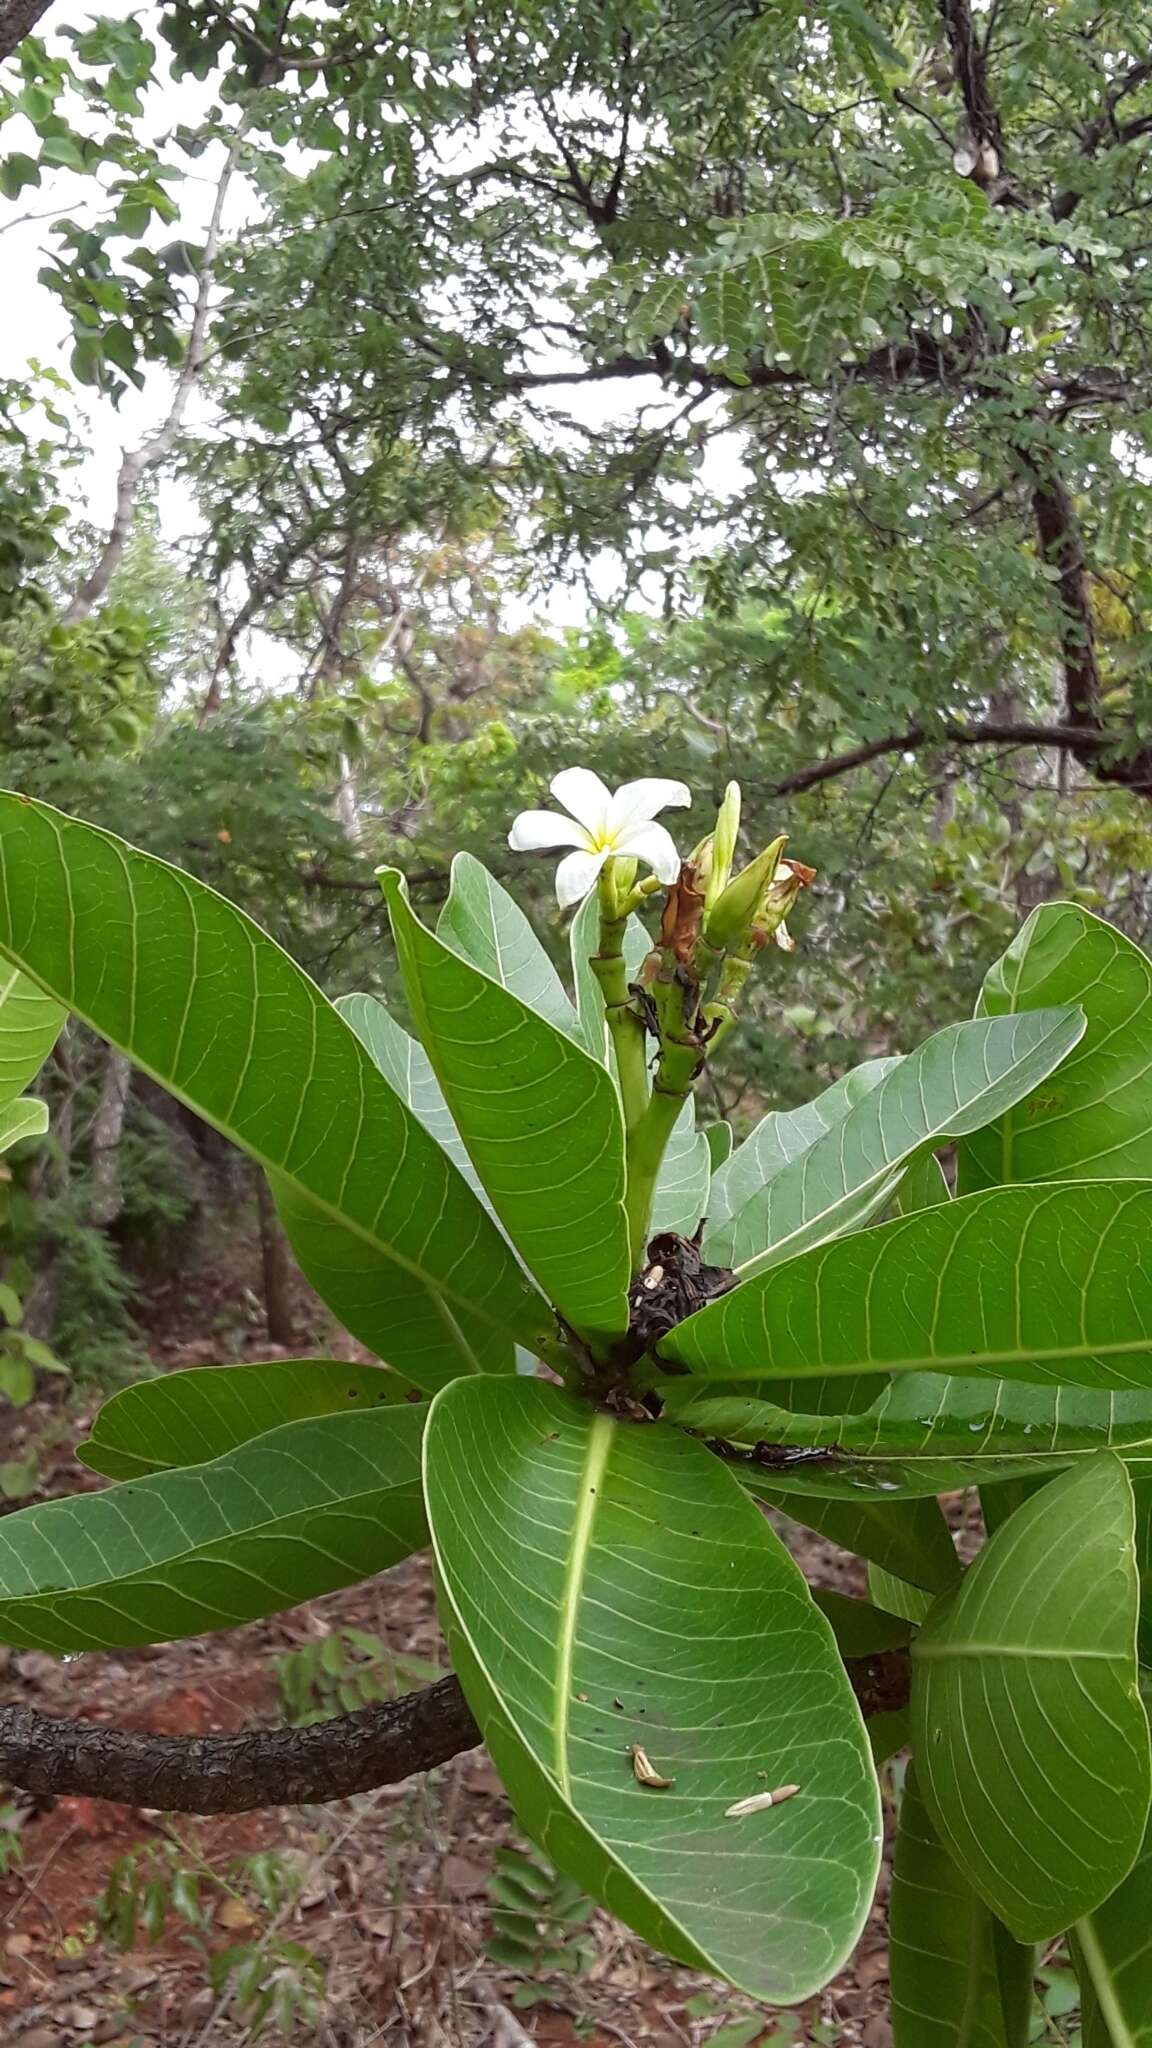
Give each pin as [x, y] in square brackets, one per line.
[723, 845]
[739, 905]
[700, 861]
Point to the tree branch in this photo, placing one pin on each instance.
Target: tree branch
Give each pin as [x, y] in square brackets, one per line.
[18, 18]
[138, 461]
[380, 1745]
[1100, 751]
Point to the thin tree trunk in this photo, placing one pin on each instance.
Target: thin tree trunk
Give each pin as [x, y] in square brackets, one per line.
[138, 461]
[107, 1196]
[276, 1269]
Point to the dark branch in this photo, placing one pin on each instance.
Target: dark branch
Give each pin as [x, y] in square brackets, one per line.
[288, 1766]
[18, 18]
[1101, 751]
[234, 1773]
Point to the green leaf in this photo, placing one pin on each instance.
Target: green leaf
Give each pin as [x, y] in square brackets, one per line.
[958, 1979]
[292, 1514]
[896, 1596]
[1028, 1727]
[780, 1137]
[30, 1024]
[723, 312]
[1093, 1119]
[1110, 1946]
[590, 1600]
[861, 1630]
[1048, 1284]
[682, 1187]
[482, 924]
[208, 1005]
[908, 1538]
[540, 1117]
[927, 1433]
[923, 1186]
[407, 1068]
[27, 1118]
[955, 1082]
[185, 1418]
[719, 1138]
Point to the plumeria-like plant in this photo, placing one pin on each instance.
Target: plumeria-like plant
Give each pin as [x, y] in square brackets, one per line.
[609, 1338]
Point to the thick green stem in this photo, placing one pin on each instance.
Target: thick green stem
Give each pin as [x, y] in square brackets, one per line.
[625, 1024]
[648, 1142]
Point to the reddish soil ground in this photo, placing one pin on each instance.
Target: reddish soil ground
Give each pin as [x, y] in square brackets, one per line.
[367, 1921]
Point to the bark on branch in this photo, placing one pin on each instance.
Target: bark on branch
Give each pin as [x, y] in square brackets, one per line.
[18, 18]
[380, 1745]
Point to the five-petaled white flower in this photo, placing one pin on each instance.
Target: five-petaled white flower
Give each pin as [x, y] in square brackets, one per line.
[604, 825]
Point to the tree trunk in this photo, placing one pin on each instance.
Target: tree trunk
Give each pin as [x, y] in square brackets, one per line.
[18, 18]
[277, 1271]
[107, 1195]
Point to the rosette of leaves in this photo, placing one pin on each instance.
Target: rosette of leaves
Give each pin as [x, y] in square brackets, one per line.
[645, 1659]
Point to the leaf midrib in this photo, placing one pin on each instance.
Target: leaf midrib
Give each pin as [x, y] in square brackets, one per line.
[600, 1438]
[940, 1362]
[1103, 1985]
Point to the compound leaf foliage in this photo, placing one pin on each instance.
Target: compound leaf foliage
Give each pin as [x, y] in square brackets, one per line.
[295, 1513]
[1028, 1727]
[206, 1003]
[958, 1979]
[1093, 1118]
[1047, 1284]
[186, 1418]
[605, 1585]
[540, 1118]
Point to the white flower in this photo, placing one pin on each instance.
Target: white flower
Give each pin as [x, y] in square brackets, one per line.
[603, 825]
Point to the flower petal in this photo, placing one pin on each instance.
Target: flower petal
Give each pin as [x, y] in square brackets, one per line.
[537, 831]
[653, 845]
[575, 875]
[585, 796]
[635, 802]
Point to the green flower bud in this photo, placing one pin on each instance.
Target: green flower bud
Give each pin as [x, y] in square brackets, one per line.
[723, 846]
[737, 907]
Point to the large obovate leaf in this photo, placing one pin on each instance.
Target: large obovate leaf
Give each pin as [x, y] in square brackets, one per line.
[26, 1118]
[185, 1418]
[958, 1979]
[206, 1003]
[955, 1082]
[682, 1189]
[1029, 1732]
[1093, 1119]
[482, 924]
[605, 1584]
[30, 1023]
[297, 1512]
[782, 1135]
[407, 1068]
[927, 1434]
[1113, 1951]
[540, 1118]
[1047, 1284]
